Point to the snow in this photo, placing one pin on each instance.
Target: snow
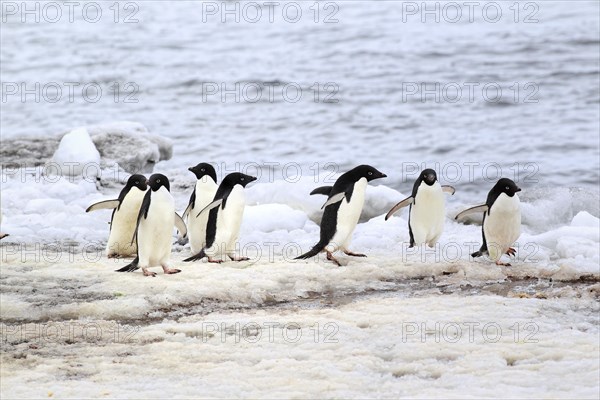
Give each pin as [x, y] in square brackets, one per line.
[54, 273]
[75, 153]
[375, 347]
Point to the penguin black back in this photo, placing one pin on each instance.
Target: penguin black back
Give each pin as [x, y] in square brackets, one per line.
[225, 188]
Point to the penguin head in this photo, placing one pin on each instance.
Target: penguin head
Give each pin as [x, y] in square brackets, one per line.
[507, 186]
[204, 169]
[237, 178]
[157, 181]
[137, 181]
[429, 176]
[367, 172]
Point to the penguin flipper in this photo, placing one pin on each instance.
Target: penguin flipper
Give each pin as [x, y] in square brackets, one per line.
[180, 225]
[334, 199]
[209, 207]
[142, 214]
[130, 267]
[102, 205]
[190, 205]
[448, 189]
[406, 202]
[322, 190]
[477, 209]
[196, 257]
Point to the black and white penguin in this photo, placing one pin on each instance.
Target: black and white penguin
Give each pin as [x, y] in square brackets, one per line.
[427, 209]
[124, 216]
[202, 195]
[345, 200]
[224, 219]
[154, 226]
[501, 220]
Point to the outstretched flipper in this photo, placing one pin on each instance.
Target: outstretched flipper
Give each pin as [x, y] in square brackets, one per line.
[448, 189]
[406, 202]
[180, 225]
[477, 209]
[209, 207]
[103, 205]
[131, 266]
[336, 198]
[322, 190]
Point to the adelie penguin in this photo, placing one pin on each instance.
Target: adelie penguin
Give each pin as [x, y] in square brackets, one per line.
[124, 216]
[203, 194]
[345, 200]
[501, 220]
[427, 211]
[154, 226]
[224, 219]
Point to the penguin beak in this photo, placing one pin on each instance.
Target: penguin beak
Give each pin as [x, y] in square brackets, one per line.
[253, 178]
[191, 169]
[518, 189]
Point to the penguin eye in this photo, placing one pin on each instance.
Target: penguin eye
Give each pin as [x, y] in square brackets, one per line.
[241, 179]
[370, 173]
[507, 188]
[202, 170]
[158, 181]
[137, 182]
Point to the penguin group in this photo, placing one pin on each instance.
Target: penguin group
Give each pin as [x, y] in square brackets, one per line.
[144, 215]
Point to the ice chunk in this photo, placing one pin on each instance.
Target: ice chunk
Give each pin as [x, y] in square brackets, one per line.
[76, 155]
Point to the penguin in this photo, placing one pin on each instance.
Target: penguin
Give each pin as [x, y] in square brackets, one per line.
[345, 200]
[426, 209]
[224, 219]
[202, 195]
[501, 220]
[124, 216]
[152, 233]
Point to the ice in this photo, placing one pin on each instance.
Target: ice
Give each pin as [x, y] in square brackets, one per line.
[130, 145]
[75, 153]
[380, 347]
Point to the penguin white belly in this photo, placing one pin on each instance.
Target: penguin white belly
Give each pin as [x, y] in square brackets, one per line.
[348, 216]
[123, 225]
[229, 221]
[502, 227]
[205, 193]
[155, 231]
[427, 214]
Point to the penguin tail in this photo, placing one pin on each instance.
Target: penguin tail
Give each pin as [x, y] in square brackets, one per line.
[312, 252]
[130, 267]
[196, 257]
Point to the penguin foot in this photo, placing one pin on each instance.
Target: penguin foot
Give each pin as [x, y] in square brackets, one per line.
[171, 271]
[233, 258]
[349, 253]
[3, 235]
[503, 264]
[330, 257]
[212, 260]
[511, 251]
[148, 273]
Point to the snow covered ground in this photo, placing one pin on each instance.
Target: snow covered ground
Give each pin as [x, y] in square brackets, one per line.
[399, 323]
